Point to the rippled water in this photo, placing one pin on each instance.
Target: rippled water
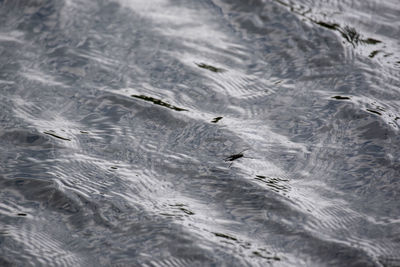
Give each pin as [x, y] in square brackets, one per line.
[199, 133]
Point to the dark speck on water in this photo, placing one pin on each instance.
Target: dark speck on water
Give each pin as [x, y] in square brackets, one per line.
[225, 236]
[331, 26]
[234, 157]
[217, 119]
[188, 212]
[158, 102]
[275, 258]
[371, 41]
[374, 111]
[51, 133]
[209, 67]
[338, 97]
[373, 53]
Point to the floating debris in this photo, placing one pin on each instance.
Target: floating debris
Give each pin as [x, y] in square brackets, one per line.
[209, 67]
[274, 183]
[178, 208]
[51, 133]
[22, 214]
[275, 258]
[234, 157]
[373, 53]
[370, 41]
[158, 102]
[225, 236]
[350, 34]
[354, 38]
[338, 97]
[331, 26]
[188, 212]
[217, 119]
[374, 111]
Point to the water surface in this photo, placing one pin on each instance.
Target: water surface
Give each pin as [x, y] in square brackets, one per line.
[199, 133]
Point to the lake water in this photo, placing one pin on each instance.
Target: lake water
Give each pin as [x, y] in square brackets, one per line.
[199, 133]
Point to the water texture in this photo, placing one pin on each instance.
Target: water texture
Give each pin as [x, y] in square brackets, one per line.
[199, 133]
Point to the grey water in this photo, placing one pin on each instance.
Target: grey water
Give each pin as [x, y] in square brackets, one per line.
[199, 133]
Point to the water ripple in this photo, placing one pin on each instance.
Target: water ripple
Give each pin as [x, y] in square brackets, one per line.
[199, 133]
